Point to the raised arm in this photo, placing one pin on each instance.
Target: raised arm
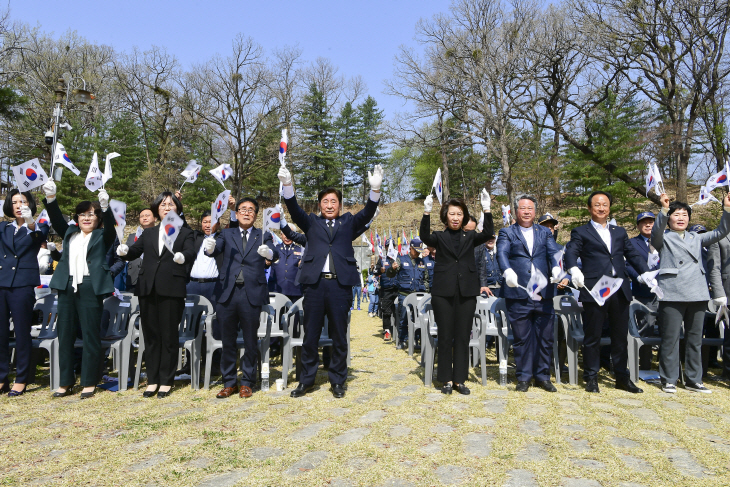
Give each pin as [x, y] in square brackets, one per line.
[363, 217]
[488, 228]
[722, 229]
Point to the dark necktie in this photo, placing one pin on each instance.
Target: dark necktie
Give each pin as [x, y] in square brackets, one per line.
[244, 241]
[331, 226]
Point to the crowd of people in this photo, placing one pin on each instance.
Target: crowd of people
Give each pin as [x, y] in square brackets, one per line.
[672, 267]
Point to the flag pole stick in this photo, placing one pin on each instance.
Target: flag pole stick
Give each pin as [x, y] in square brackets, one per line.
[183, 184]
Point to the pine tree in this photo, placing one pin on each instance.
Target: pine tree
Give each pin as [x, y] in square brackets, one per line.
[349, 141]
[371, 122]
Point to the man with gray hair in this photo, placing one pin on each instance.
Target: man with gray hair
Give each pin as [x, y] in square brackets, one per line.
[523, 249]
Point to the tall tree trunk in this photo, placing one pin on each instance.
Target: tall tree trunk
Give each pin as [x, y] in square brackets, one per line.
[555, 163]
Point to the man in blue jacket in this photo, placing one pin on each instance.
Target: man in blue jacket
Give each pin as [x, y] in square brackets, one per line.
[523, 249]
[328, 272]
[242, 291]
[411, 275]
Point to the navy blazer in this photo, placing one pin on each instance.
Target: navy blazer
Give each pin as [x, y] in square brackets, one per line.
[19, 255]
[585, 244]
[285, 270]
[512, 253]
[320, 243]
[236, 258]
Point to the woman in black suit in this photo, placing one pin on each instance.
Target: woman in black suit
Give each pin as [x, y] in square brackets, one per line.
[455, 285]
[161, 291]
[83, 280]
[20, 241]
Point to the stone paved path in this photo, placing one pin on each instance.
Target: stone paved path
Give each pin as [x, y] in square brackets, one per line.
[389, 430]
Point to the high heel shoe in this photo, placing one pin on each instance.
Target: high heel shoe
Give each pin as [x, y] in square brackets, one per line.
[67, 392]
[87, 395]
[164, 394]
[14, 393]
[150, 393]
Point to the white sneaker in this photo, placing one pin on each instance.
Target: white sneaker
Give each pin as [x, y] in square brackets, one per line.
[669, 388]
[698, 387]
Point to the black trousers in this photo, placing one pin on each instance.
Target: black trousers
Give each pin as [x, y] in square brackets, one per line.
[331, 299]
[615, 312]
[387, 306]
[532, 327]
[454, 316]
[16, 303]
[82, 308]
[238, 310]
[161, 316]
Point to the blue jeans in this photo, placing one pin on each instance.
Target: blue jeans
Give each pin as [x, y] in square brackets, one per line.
[374, 301]
[356, 291]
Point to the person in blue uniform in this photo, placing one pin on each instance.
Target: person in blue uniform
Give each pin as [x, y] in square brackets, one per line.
[20, 241]
[388, 292]
[411, 276]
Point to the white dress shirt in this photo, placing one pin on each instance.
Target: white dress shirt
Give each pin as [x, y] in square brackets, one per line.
[204, 267]
[326, 267]
[604, 232]
[529, 234]
[77, 266]
[15, 224]
[161, 242]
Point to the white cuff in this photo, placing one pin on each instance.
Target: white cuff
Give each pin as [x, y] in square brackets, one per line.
[288, 191]
[374, 196]
[50, 199]
[664, 211]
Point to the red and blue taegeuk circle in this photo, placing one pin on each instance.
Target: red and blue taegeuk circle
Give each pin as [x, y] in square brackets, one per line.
[31, 174]
[169, 229]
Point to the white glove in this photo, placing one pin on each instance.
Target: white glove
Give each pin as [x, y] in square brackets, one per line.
[265, 252]
[578, 278]
[556, 272]
[209, 244]
[649, 281]
[103, 199]
[178, 258]
[428, 204]
[284, 176]
[510, 278]
[51, 246]
[376, 177]
[50, 189]
[719, 301]
[122, 250]
[486, 200]
[27, 215]
[282, 220]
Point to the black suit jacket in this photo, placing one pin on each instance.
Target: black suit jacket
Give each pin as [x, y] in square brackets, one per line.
[456, 270]
[159, 273]
[586, 244]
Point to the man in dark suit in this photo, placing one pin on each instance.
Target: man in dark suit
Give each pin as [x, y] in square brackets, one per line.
[146, 220]
[603, 250]
[328, 272]
[522, 249]
[242, 291]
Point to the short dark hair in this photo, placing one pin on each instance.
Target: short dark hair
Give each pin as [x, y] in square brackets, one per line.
[596, 193]
[248, 199]
[472, 219]
[8, 205]
[85, 206]
[526, 197]
[678, 205]
[443, 214]
[205, 213]
[146, 209]
[327, 191]
[158, 201]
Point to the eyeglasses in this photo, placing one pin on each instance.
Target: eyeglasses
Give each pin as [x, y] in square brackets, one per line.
[87, 215]
[168, 206]
[247, 211]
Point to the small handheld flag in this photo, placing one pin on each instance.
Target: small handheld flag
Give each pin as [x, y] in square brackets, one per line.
[191, 172]
[558, 258]
[705, 196]
[107, 174]
[506, 215]
[438, 186]
[43, 218]
[29, 175]
[605, 288]
[94, 176]
[61, 157]
[283, 146]
[171, 226]
[272, 219]
[222, 173]
[537, 283]
[119, 210]
[219, 206]
[717, 180]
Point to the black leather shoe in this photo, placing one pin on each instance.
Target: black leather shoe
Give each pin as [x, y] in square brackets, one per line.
[401, 346]
[301, 390]
[338, 391]
[546, 384]
[151, 393]
[87, 395]
[14, 393]
[164, 394]
[628, 386]
[592, 386]
[68, 392]
[462, 389]
[522, 386]
[447, 389]
[5, 388]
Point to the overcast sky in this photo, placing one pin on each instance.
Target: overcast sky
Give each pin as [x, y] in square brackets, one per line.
[360, 37]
